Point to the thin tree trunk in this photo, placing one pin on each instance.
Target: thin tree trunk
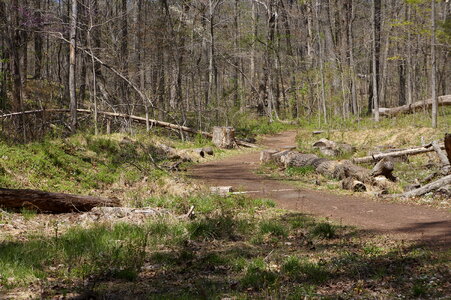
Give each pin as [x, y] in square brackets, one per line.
[321, 63]
[72, 87]
[434, 69]
[351, 61]
[376, 20]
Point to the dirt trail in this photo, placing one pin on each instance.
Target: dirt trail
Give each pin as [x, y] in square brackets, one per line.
[402, 221]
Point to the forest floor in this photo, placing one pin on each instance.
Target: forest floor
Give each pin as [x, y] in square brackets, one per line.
[298, 243]
[404, 221]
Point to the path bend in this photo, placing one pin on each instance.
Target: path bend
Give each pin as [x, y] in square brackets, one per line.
[402, 221]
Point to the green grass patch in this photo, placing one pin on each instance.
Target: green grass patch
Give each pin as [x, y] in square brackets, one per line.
[102, 250]
[302, 269]
[258, 275]
[299, 171]
[273, 227]
[324, 230]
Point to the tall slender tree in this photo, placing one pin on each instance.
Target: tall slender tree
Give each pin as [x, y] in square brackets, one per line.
[434, 68]
[72, 58]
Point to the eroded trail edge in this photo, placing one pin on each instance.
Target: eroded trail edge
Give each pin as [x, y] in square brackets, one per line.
[402, 221]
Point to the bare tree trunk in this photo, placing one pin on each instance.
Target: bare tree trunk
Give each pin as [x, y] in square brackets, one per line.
[321, 63]
[409, 60]
[72, 86]
[352, 63]
[434, 69]
[38, 44]
[376, 37]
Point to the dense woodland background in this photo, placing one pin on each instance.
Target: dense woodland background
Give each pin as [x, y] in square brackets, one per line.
[203, 62]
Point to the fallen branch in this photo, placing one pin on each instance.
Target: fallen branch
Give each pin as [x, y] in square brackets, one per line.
[51, 202]
[442, 101]
[143, 120]
[377, 157]
[445, 167]
[433, 186]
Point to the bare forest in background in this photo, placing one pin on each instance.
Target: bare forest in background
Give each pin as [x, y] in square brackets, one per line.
[199, 63]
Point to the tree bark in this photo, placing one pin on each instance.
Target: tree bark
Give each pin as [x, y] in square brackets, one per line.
[224, 137]
[448, 146]
[384, 167]
[376, 15]
[433, 186]
[72, 85]
[377, 157]
[408, 108]
[51, 202]
[434, 70]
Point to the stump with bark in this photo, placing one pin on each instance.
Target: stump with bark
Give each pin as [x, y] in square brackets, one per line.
[384, 167]
[448, 146]
[224, 137]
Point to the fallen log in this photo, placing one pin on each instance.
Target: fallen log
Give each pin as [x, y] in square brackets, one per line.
[377, 157]
[384, 167]
[408, 108]
[445, 167]
[143, 120]
[51, 202]
[332, 148]
[353, 177]
[430, 187]
[353, 185]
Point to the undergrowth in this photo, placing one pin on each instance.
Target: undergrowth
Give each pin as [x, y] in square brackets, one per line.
[234, 246]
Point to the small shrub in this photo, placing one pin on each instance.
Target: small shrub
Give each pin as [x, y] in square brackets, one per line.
[300, 221]
[324, 230]
[372, 250]
[28, 214]
[419, 290]
[212, 228]
[258, 275]
[296, 269]
[273, 228]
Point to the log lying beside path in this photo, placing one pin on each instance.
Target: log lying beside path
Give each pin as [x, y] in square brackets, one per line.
[430, 187]
[442, 101]
[353, 177]
[377, 157]
[151, 122]
[51, 202]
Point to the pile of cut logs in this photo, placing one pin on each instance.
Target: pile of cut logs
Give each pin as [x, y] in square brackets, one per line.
[360, 179]
[353, 177]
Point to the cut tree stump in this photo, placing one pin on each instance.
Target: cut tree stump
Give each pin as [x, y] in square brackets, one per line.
[384, 167]
[353, 185]
[448, 146]
[224, 137]
[51, 202]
